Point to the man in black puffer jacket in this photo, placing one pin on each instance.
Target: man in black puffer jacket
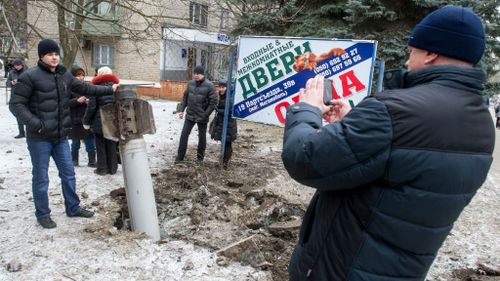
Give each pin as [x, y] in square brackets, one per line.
[200, 100]
[394, 173]
[40, 100]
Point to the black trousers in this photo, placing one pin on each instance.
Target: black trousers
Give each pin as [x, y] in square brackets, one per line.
[107, 157]
[20, 126]
[202, 140]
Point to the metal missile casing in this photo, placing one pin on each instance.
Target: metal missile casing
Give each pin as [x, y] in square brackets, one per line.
[125, 121]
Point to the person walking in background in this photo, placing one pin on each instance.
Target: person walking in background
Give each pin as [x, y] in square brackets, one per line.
[40, 100]
[393, 173]
[200, 100]
[78, 106]
[18, 68]
[107, 156]
[218, 123]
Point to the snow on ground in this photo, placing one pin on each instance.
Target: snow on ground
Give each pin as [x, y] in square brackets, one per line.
[68, 252]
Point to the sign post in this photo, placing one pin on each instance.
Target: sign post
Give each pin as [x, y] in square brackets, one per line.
[271, 71]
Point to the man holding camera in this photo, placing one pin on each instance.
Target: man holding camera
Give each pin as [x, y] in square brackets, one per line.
[393, 173]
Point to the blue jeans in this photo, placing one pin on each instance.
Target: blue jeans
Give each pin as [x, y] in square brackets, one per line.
[40, 152]
[89, 145]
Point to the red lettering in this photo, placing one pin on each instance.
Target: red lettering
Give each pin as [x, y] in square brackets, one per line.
[278, 109]
[296, 99]
[348, 81]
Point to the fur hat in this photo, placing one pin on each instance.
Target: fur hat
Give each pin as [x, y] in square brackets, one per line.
[452, 31]
[199, 70]
[47, 46]
[104, 70]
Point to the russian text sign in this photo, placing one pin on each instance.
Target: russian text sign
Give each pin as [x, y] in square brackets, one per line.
[271, 71]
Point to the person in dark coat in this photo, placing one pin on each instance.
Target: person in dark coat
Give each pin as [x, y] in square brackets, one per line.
[78, 106]
[18, 68]
[497, 115]
[218, 123]
[393, 173]
[107, 156]
[40, 100]
[200, 100]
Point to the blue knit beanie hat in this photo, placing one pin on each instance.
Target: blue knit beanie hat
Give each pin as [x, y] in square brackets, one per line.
[452, 31]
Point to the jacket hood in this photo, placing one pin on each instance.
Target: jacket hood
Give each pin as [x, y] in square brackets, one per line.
[105, 78]
[75, 69]
[464, 78]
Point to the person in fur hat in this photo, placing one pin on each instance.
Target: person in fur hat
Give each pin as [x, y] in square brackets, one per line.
[107, 158]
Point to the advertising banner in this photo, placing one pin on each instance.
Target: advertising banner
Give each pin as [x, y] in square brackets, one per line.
[271, 71]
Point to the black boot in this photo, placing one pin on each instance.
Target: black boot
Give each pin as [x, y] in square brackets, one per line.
[74, 156]
[92, 162]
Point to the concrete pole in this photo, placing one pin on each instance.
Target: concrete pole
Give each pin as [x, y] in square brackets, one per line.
[139, 188]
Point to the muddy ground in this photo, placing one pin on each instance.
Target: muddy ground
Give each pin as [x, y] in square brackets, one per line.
[249, 213]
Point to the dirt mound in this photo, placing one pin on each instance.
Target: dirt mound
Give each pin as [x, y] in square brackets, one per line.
[230, 211]
[235, 212]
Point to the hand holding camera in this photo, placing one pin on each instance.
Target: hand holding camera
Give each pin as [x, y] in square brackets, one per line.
[318, 92]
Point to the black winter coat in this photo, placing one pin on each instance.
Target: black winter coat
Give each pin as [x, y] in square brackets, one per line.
[14, 74]
[232, 127]
[92, 115]
[77, 111]
[392, 177]
[200, 99]
[40, 100]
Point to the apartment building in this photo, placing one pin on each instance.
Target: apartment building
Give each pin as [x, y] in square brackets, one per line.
[181, 35]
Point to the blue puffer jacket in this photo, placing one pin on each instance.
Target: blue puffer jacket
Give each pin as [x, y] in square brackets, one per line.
[392, 177]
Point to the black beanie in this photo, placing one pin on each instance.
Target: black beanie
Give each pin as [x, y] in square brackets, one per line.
[222, 82]
[452, 31]
[47, 46]
[17, 62]
[199, 70]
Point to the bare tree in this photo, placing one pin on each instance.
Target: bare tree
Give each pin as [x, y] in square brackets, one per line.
[135, 20]
[12, 40]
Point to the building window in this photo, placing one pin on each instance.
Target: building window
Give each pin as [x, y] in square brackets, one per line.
[224, 19]
[103, 8]
[198, 13]
[103, 55]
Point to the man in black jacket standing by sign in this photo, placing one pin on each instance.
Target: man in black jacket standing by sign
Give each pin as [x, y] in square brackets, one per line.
[394, 173]
[40, 100]
[200, 100]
